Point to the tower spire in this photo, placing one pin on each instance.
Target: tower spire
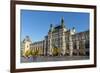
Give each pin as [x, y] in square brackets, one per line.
[62, 22]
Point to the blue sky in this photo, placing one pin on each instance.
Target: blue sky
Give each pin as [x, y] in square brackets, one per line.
[36, 23]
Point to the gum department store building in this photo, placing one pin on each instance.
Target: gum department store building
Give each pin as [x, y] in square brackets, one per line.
[67, 41]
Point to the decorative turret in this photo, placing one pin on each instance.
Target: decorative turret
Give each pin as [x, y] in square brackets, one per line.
[27, 39]
[62, 22]
[26, 42]
[73, 31]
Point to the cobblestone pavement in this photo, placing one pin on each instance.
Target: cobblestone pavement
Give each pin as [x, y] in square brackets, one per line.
[53, 58]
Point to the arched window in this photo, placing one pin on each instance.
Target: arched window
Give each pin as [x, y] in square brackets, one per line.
[87, 44]
[80, 45]
[74, 45]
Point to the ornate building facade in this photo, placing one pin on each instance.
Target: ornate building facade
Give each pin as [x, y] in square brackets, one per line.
[60, 41]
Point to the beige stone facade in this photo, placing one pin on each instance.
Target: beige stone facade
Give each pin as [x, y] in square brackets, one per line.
[61, 41]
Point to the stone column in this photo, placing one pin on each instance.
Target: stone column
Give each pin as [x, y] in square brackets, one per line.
[44, 47]
[70, 45]
[63, 44]
[77, 45]
[50, 44]
[84, 47]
